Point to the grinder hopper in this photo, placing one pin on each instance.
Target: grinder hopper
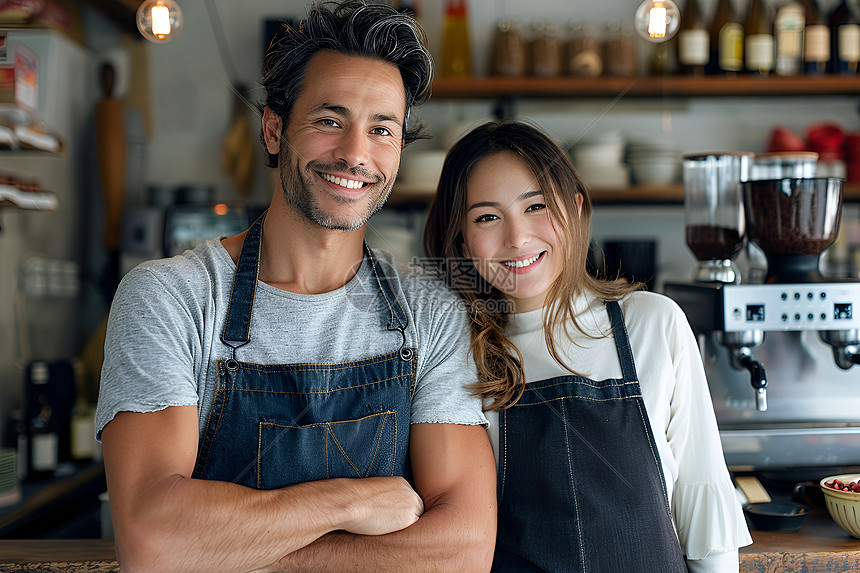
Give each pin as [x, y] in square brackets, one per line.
[793, 221]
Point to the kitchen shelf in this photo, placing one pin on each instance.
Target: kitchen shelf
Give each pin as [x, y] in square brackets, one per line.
[645, 87]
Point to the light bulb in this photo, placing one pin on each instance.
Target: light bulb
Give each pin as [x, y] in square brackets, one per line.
[159, 21]
[657, 20]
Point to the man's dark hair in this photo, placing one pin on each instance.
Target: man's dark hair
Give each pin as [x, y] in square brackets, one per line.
[352, 28]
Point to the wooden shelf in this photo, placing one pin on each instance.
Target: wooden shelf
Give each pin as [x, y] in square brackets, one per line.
[651, 194]
[645, 87]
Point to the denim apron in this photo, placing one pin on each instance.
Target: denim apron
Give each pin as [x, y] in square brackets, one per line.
[580, 483]
[273, 425]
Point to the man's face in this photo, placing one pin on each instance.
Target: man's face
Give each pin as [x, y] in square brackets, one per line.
[342, 146]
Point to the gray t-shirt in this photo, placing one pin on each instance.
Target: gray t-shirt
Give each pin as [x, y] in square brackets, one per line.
[165, 325]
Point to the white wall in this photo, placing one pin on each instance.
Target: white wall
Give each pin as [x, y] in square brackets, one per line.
[191, 106]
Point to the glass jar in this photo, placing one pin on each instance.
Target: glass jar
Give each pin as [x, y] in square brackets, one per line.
[508, 57]
[545, 50]
[583, 51]
[619, 53]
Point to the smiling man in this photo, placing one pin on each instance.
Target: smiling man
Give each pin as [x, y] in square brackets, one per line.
[287, 398]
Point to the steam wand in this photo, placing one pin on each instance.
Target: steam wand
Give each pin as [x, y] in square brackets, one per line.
[741, 344]
[743, 358]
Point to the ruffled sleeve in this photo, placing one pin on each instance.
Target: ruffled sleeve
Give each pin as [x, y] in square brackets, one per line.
[709, 519]
[708, 516]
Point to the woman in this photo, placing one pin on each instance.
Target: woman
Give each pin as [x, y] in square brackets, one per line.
[608, 453]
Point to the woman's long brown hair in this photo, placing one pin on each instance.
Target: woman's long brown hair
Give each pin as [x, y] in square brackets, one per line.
[499, 362]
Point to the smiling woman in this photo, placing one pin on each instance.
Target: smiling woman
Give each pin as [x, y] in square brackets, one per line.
[509, 233]
[599, 385]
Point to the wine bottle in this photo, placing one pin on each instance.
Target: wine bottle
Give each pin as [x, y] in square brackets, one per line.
[664, 61]
[82, 444]
[758, 39]
[693, 41]
[844, 40]
[816, 40]
[43, 442]
[788, 27]
[726, 42]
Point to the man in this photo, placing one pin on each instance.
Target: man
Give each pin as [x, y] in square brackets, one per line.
[249, 382]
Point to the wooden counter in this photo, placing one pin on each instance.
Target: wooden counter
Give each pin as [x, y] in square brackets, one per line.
[57, 555]
[820, 546]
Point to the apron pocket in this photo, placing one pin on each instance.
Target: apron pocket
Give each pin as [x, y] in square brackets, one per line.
[357, 448]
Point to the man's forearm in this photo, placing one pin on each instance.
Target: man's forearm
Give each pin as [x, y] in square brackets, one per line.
[443, 539]
[217, 526]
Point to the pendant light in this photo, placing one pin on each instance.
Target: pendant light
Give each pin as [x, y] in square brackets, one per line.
[657, 20]
[159, 21]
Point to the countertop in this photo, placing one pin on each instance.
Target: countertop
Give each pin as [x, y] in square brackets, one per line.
[820, 546]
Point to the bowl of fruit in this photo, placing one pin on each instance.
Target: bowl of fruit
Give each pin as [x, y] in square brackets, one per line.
[842, 497]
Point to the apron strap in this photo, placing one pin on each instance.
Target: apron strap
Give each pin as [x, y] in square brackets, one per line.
[622, 342]
[397, 318]
[237, 327]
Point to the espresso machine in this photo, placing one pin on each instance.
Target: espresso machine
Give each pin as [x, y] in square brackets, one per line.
[779, 350]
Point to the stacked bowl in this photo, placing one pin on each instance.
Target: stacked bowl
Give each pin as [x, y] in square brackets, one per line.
[599, 160]
[654, 162]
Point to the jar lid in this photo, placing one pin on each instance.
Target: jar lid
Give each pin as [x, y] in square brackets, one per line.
[702, 156]
[787, 155]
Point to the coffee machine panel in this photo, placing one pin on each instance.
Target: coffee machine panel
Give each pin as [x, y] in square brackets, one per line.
[778, 355]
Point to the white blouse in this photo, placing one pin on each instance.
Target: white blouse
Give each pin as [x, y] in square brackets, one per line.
[706, 512]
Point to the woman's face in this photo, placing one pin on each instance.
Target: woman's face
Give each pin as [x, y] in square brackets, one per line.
[508, 231]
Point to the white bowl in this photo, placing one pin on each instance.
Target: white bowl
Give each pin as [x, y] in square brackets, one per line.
[604, 177]
[654, 172]
[598, 154]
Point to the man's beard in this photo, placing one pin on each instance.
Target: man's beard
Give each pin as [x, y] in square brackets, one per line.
[298, 192]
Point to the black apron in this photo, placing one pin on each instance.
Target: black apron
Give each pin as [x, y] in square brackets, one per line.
[580, 484]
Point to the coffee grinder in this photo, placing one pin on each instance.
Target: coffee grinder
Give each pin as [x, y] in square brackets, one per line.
[746, 329]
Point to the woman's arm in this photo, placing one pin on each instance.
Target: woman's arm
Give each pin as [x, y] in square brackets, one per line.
[455, 474]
